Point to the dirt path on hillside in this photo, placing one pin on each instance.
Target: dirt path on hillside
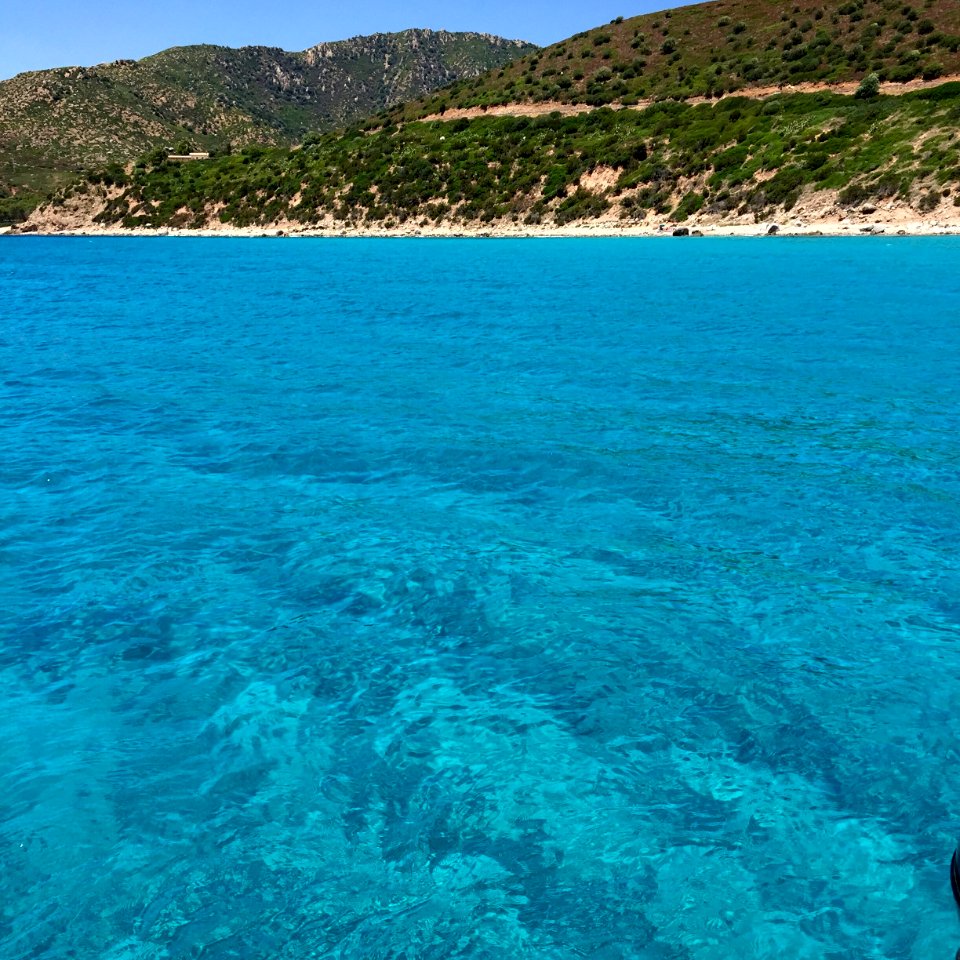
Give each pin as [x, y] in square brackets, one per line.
[756, 93]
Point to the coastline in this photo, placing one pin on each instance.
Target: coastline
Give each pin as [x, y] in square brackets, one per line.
[605, 230]
[816, 214]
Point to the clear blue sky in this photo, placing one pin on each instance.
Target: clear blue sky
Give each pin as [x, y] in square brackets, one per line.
[35, 34]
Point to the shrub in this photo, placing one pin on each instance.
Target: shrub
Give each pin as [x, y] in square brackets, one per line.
[887, 186]
[929, 201]
[869, 87]
[689, 205]
[13, 211]
[581, 205]
[853, 195]
[784, 187]
[556, 182]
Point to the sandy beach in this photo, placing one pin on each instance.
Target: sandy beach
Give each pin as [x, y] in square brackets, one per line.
[846, 227]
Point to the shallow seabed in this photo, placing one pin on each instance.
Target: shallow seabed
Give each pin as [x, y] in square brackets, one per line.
[482, 599]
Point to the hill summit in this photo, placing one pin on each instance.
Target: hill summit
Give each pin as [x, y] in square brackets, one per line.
[56, 122]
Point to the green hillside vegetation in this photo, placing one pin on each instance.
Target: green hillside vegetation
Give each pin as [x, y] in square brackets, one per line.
[54, 123]
[723, 47]
[738, 155]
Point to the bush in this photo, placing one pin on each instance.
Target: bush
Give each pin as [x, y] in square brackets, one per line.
[869, 87]
[581, 206]
[929, 201]
[13, 211]
[887, 186]
[854, 195]
[689, 205]
[784, 187]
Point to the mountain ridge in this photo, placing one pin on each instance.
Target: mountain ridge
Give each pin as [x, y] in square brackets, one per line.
[56, 122]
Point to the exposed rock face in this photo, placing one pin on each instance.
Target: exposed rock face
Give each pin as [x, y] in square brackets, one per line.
[53, 122]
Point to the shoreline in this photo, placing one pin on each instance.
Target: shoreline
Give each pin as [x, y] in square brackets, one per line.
[817, 214]
[834, 229]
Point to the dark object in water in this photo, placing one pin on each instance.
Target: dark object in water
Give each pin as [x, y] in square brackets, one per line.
[955, 876]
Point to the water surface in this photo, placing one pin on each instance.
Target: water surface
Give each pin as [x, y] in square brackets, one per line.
[479, 599]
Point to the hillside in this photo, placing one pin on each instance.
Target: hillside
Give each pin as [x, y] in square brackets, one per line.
[56, 122]
[859, 147]
[738, 160]
[720, 47]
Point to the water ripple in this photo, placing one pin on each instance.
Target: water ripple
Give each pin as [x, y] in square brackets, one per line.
[370, 599]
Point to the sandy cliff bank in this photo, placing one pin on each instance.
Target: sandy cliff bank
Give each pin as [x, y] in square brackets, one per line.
[816, 214]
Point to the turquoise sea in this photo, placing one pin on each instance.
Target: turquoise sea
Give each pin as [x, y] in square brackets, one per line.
[369, 599]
